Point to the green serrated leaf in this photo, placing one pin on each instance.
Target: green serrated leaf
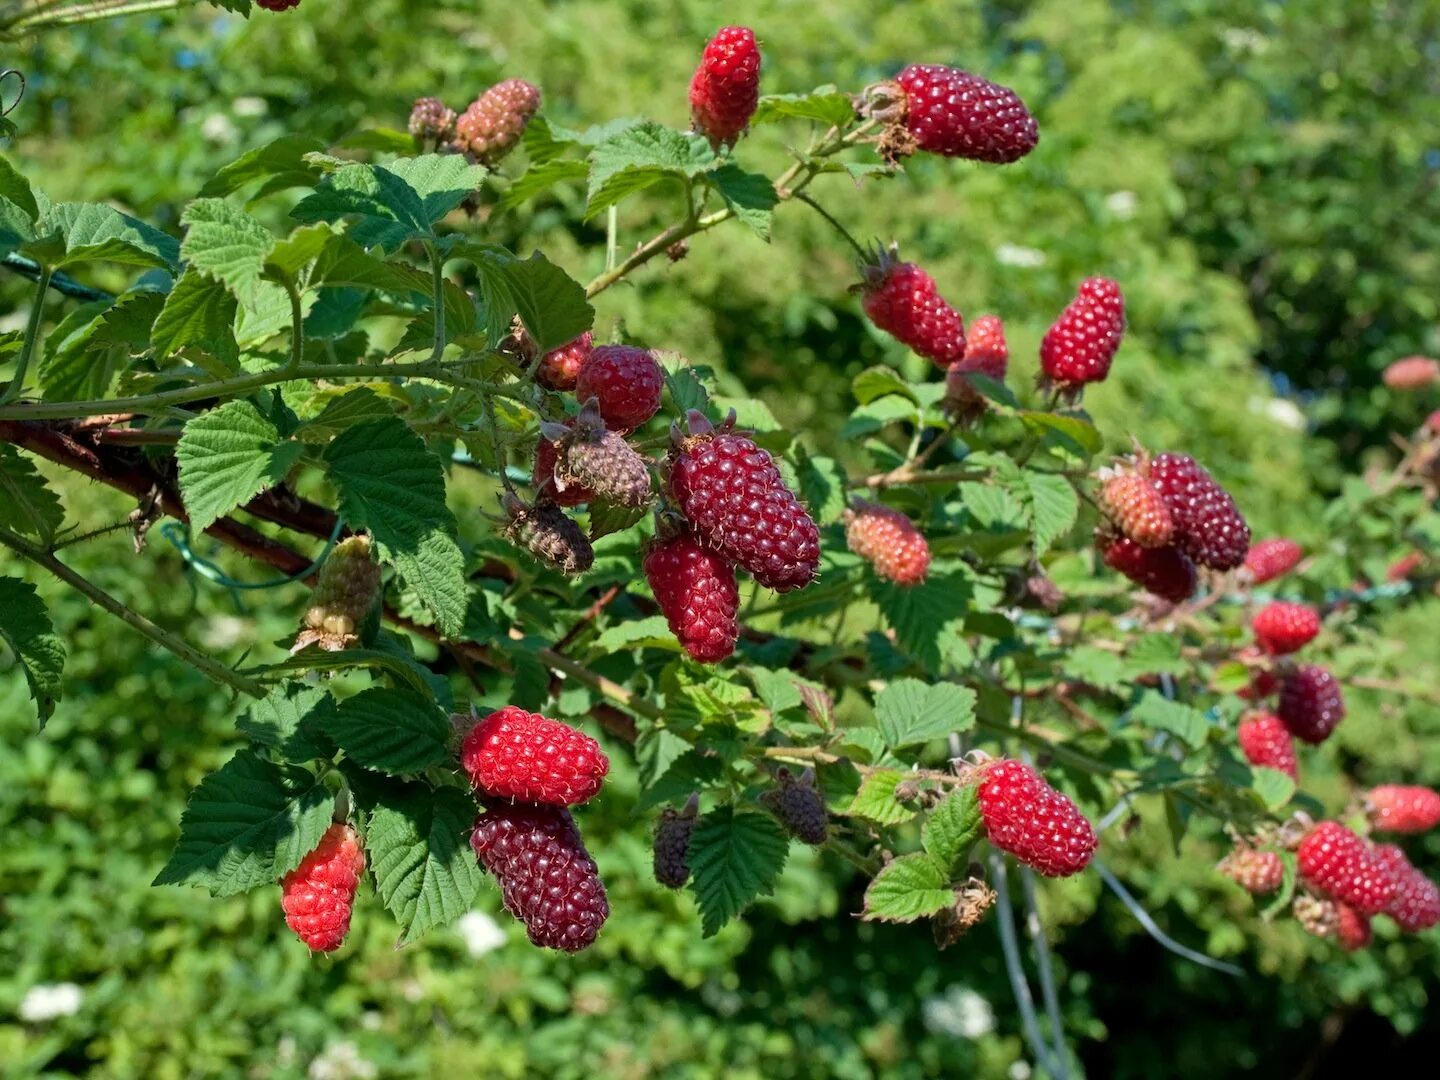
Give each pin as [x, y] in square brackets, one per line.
[293, 253]
[877, 382]
[651, 632]
[390, 730]
[825, 105]
[26, 504]
[690, 772]
[417, 841]
[248, 823]
[750, 196]
[1274, 787]
[1071, 431]
[909, 888]
[16, 189]
[683, 384]
[822, 487]
[199, 313]
[1156, 711]
[291, 721]
[75, 233]
[1051, 506]
[733, 859]
[929, 618]
[550, 302]
[25, 627]
[951, 829]
[227, 245]
[280, 163]
[540, 178]
[875, 800]
[1287, 887]
[640, 157]
[228, 456]
[909, 711]
[345, 410]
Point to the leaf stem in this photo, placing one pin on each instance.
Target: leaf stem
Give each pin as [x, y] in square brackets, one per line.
[210, 668]
[437, 286]
[297, 326]
[32, 335]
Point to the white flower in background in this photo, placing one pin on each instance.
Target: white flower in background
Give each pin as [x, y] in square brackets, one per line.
[50, 1002]
[1122, 204]
[1015, 255]
[1019, 1070]
[1286, 413]
[959, 1012]
[342, 1061]
[1242, 39]
[249, 106]
[219, 128]
[481, 933]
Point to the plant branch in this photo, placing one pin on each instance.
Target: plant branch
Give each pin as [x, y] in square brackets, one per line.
[61, 282]
[1019, 985]
[32, 336]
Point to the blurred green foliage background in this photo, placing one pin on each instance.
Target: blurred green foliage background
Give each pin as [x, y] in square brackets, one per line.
[1260, 177]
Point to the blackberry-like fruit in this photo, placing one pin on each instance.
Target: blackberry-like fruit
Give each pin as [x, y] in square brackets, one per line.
[1208, 525]
[800, 808]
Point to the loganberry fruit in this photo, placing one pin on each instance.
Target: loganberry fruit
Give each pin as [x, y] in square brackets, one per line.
[1080, 345]
[547, 879]
[624, 381]
[551, 485]
[1165, 571]
[560, 368]
[985, 350]
[697, 593]
[491, 127]
[597, 460]
[1402, 808]
[548, 535]
[1269, 559]
[1135, 506]
[1317, 915]
[671, 848]
[1207, 523]
[956, 114]
[1263, 680]
[1416, 903]
[346, 598]
[737, 502]
[277, 5]
[1352, 929]
[1256, 871]
[901, 299]
[1311, 704]
[1412, 373]
[1266, 741]
[889, 541]
[800, 808]
[1282, 627]
[1032, 821]
[726, 86]
[523, 755]
[319, 894]
[1341, 865]
[432, 122]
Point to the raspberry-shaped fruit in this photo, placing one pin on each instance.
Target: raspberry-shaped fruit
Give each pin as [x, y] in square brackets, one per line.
[800, 808]
[1165, 571]
[1265, 740]
[547, 879]
[1341, 865]
[548, 535]
[726, 86]
[696, 590]
[1135, 506]
[901, 299]
[957, 114]
[319, 894]
[1412, 373]
[523, 755]
[561, 490]
[596, 460]
[560, 368]
[1282, 627]
[491, 127]
[625, 381]
[432, 122]
[1269, 559]
[889, 541]
[671, 848]
[1207, 523]
[1256, 871]
[1263, 680]
[985, 350]
[1032, 821]
[1316, 915]
[345, 600]
[737, 502]
[1352, 929]
[1403, 808]
[1081, 344]
[1311, 704]
[277, 5]
[1416, 903]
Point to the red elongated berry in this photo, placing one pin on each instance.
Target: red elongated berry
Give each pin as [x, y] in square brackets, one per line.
[1207, 523]
[1311, 704]
[1028, 818]
[1403, 567]
[277, 5]
[560, 368]
[1265, 740]
[432, 121]
[522, 755]
[956, 114]
[558, 489]
[547, 879]
[1416, 903]
[318, 896]
[625, 381]
[985, 350]
[1403, 808]
[1269, 559]
[1256, 871]
[902, 299]
[493, 124]
[696, 590]
[889, 541]
[1352, 929]
[1282, 627]
[1263, 681]
[738, 504]
[726, 85]
[1341, 865]
[1081, 344]
[1135, 506]
[1165, 571]
[1412, 373]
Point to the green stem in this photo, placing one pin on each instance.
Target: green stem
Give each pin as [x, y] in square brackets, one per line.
[601, 685]
[437, 286]
[91, 12]
[210, 668]
[297, 327]
[32, 335]
[904, 475]
[844, 232]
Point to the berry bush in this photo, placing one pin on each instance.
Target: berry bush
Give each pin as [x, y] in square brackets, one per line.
[952, 634]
